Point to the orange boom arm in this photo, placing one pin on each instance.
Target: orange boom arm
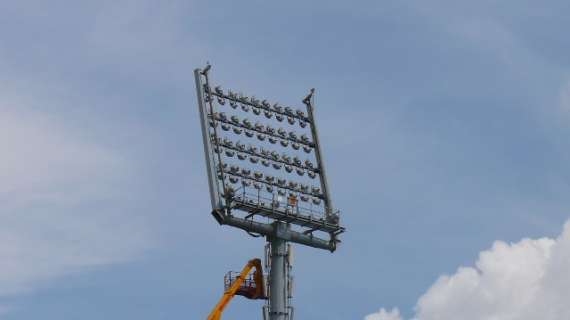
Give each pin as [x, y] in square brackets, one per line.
[241, 285]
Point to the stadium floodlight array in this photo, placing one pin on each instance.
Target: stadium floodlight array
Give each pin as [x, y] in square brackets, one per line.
[265, 165]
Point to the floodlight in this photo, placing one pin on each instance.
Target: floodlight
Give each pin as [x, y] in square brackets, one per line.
[281, 192]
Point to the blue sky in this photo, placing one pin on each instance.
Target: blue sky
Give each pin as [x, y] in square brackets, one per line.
[444, 126]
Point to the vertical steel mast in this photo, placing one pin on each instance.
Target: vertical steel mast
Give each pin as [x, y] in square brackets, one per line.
[266, 176]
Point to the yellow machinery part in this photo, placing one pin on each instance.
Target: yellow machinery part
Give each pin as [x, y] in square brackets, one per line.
[216, 313]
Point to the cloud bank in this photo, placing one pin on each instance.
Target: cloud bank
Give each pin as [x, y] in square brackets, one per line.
[60, 202]
[526, 280]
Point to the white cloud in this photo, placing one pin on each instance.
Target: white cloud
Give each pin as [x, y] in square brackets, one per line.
[384, 314]
[526, 280]
[60, 202]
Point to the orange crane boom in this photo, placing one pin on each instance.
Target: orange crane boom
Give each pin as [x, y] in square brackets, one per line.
[242, 286]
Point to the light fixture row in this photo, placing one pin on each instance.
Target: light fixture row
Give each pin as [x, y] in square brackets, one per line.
[263, 132]
[270, 182]
[259, 106]
[262, 137]
[266, 157]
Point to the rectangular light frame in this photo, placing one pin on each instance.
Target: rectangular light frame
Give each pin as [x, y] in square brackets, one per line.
[241, 209]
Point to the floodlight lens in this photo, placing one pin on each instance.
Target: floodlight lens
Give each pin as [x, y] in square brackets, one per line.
[254, 101]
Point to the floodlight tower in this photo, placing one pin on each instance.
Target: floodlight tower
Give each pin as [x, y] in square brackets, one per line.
[266, 179]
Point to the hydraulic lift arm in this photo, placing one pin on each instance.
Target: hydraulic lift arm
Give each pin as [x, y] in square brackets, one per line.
[237, 287]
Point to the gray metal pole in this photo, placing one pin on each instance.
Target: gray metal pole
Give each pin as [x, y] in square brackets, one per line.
[278, 277]
[309, 102]
[212, 179]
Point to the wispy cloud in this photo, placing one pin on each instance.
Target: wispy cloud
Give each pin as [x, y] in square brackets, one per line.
[60, 208]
